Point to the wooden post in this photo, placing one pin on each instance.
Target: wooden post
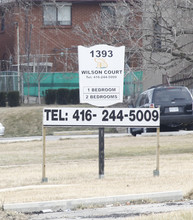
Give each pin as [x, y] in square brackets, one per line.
[44, 179]
[156, 171]
[101, 153]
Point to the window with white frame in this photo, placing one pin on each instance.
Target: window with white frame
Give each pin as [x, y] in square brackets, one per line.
[57, 14]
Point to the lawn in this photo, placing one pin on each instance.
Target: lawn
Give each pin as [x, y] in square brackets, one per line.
[72, 168]
[72, 164]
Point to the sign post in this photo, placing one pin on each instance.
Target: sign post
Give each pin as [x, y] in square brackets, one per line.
[44, 179]
[101, 153]
[99, 117]
[156, 171]
[101, 77]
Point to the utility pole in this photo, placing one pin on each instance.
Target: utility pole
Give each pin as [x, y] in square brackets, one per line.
[18, 60]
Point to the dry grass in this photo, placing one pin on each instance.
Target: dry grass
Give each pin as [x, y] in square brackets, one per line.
[72, 168]
[72, 165]
[21, 121]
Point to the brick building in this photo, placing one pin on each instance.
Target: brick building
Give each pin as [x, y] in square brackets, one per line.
[37, 36]
[41, 32]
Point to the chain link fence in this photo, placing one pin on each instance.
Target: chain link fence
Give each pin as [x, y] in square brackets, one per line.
[55, 80]
[8, 81]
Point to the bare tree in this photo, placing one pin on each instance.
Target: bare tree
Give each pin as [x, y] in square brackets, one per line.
[157, 34]
[168, 35]
[117, 24]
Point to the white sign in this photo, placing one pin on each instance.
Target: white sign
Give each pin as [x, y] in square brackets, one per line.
[101, 74]
[106, 117]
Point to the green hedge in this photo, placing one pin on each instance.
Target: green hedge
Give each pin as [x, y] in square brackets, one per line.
[74, 96]
[62, 96]
[50, 97]
[13, 98]
[3, 96]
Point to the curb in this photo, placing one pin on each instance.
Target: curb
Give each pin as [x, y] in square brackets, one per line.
[58, 137]
[19, 139]
[75, 203]
[81, 132]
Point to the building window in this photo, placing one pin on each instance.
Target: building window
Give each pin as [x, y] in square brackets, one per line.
[115, 14]
[57, 14]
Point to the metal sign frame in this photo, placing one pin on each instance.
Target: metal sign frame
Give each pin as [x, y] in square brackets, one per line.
[56, 117]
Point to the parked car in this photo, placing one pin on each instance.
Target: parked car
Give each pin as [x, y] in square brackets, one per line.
[2, 129]
[176, 107]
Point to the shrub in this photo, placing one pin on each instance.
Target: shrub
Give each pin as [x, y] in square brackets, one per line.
[50, 96]
[62, 96]
[13, 98]
[2, 99]
[74, 96]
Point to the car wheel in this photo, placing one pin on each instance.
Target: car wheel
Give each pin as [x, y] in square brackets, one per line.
[133, 133]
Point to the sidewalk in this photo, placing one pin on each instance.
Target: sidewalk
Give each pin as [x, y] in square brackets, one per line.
[86, 202]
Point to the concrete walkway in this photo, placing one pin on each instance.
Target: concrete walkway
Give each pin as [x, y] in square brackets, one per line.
[85, 202]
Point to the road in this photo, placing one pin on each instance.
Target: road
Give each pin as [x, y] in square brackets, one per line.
[56, 137]
[111, 212]
[60, 137]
